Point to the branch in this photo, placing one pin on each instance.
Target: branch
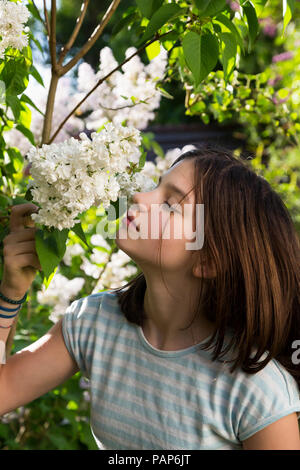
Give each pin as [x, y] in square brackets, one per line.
[74, 35]
[93, 38]
[126, 105]
[156, 38]
[47, 24]
[52, 39]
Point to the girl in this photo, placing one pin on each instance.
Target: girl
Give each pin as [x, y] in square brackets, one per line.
[199, 350]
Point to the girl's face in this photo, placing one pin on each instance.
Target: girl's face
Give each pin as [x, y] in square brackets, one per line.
[154, 222]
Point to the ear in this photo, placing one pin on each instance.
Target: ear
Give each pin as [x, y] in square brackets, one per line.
[209, 270]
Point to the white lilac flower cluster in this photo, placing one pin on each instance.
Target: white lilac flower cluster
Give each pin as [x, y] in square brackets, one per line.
[72, 176]
[128, 96]
[13, 17]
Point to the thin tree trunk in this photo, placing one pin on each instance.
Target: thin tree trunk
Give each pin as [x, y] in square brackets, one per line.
[50, 108]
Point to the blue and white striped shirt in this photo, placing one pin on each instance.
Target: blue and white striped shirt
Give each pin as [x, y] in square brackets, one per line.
[146, 398]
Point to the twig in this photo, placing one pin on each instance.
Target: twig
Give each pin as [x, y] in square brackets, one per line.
[93, 38]
[74, 35]
[46, 19]
[54, 77]
[38, 12]
[156, 38]
[125, 106]
[52, 39]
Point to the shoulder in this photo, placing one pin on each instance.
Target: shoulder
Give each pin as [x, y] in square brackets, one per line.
[261, 398]
[93, 304]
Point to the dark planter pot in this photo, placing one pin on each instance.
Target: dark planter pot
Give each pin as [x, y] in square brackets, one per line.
[172, 136]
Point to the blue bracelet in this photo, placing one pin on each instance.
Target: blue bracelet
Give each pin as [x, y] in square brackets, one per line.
[14, 302]
[9, 309]
[10, 316]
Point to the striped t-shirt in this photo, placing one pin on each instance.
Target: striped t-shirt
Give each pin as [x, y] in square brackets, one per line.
[146, 398]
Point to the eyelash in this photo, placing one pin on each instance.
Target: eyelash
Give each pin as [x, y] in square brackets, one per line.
[169, 206]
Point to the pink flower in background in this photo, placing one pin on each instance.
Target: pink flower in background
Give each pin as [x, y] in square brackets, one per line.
[233, 5]
[273, 81]
[269, 27]
[282, 57]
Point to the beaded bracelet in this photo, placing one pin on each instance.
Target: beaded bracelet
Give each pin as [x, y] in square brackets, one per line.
[9, 316]
[6, 326]
[10, 301]
[9, 309]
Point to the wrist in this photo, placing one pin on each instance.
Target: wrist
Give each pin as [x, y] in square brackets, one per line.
[11, 293]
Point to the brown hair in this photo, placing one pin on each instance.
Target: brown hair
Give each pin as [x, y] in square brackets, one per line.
[252, 241]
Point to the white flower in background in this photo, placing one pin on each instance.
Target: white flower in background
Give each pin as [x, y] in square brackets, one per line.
[136, 80]
[72, 250]
[163, 164]
[90, 267]
[116, 270]
[72, 176]
[13, 17]
[99, 240]
[112, 100]
[59, 293]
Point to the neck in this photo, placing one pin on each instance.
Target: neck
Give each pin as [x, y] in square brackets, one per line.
[170, 310]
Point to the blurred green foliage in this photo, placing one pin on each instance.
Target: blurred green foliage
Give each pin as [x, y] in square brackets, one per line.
[262, 97]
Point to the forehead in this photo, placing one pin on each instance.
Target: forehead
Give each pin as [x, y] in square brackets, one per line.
[182, 175]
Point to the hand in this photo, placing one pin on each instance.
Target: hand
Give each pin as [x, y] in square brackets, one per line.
[20, 257]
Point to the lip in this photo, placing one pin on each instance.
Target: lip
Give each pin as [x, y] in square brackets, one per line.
[130, 219]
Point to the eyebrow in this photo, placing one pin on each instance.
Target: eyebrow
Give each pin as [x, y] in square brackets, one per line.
[174, 188]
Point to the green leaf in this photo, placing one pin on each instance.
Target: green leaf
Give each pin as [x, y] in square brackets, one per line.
[231, 26]
[148, 7]
[142, 160]
[153, 50]
[27, 100]
[252, 21]
[201, 54]
[26, 132]
[14, 103]
[15, 76]
[37, 43]
[125, 21]
[77, 229]
[229, 50]
[288, 7]
[33, 10]
[202, 4]
[164, 92]
[160, 17]
[259, 5]
[212, 8]
[33, 71]
[50, 247]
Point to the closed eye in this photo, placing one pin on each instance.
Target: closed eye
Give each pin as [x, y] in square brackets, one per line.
[171, 206]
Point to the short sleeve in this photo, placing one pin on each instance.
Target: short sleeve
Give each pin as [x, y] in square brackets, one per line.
[265, 397]
[78, 328]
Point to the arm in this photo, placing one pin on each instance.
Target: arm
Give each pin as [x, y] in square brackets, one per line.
[281, 435]
[35, 370]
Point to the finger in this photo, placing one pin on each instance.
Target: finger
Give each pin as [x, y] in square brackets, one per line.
[24, 260]
[19, 214]
[19, 248]
[24, 234]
